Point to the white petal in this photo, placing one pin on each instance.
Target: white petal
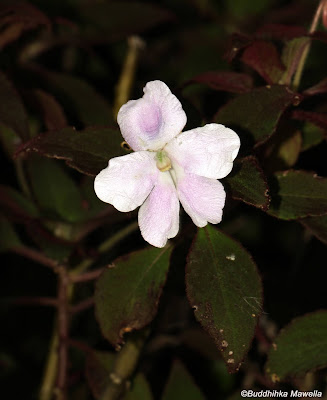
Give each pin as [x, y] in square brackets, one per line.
[208, 151]
[202, 198]
[152, 121]
[159, 215]
[127, 181]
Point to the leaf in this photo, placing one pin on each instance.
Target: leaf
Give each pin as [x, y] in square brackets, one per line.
[317, 226]
[127, 294]
[300, 347]
[291, 56]
[318, 119]
[280, 31]
[180, 385]
[78, 96]
[263, 57]
[12, 111]
[88, 150]
[311, 136]
[53, 114]
[257, 113]
[319, 88]
[247, 183]
[297, 194]
[224, 288]
[8, 236]
[54, 190]
[99, 365]
[15, 202]
[140, 389]
[237, 42]
[111, 20]
[228, 81]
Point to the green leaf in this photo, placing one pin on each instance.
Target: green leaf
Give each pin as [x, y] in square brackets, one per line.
[297, 194]
[99, 365]
[128, 292]
[8, 236]
[291, 56]
[300, 347]
[140, 389]
[12, 111]
[258, 112]
[224, 288]
[247, 182]
[317, 226]
[180, 385]
[88, 150]
[15, 202]
[54, 190]
[79, 97]
[311, 136]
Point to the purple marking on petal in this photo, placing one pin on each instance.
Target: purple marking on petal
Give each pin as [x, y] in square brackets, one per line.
[150, 119]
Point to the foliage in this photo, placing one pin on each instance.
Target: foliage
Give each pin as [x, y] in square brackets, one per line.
[246, 297]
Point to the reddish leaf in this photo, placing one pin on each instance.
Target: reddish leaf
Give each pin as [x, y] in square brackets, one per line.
[280, 31]
[225, 80]
[263, 57]
[318, 119]
[237, 42]
[319, 88]
[53, 114]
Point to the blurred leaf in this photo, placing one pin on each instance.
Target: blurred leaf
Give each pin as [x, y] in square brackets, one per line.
[247, 182]
[17, 16]
[257, 112]
[317, 226]
[224, 288]
[318, 119]
[280, 31]
[300, 347]
[311, 136]
[199, 340]
[127, 293]
[53, 114]
[99, 365]
[237, 42]
[112, 20]
[291, 56]
[319, 88]
[140, 389]
[15, 202]
[8, 236]
[264, 58]
[9, 140]
[88, 150]
[79, 97]
[228, 81]
[54, 190]
[297, 194]
[12, 111]
[93, 204]
[180, 385]
[244, 9]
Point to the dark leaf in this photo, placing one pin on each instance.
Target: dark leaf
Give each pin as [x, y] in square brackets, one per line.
[12, 111]
[263, 57]
[180, 385]
[311, 136]
[55, 191]
[317, 226]
[224, 288]
[257, 112]
[281, 32]
[300, 347]
[53, 114]
[127, 293]
[318, 119]
[99, 365]
[88, 150]
[16, 203]
[319, 88]
[237, 42]
[140, 389]
[291, 57]
[228, 81]
[79, 97]
[8, 236]
[297, 194]
[247, 182]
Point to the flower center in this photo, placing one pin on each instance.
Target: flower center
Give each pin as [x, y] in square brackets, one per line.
[163, 161]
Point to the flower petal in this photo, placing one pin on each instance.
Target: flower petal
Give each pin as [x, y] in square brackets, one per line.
[208, 151]
[152, 121]
[202, 198]
[127, 181]
[159, 215]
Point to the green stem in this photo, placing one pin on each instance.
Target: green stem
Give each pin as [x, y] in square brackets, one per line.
[313, 27]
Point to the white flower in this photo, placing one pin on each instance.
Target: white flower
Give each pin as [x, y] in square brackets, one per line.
[168, 166]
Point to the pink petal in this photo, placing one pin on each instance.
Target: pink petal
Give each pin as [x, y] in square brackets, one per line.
[152, 121]
[159, 215]
[202, 198]
[127, 181]
[208, 151]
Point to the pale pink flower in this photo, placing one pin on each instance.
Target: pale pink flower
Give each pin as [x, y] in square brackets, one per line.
[168, 166]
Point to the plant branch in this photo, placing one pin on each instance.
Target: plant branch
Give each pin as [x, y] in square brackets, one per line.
[38, 301]
[37, 256]
[87, 276]
[83, 305]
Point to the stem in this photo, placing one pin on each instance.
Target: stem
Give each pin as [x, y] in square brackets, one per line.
[313, 27]
[123, 89]
[88, 276]
[37, 256]
[83, 305]
[39, 301]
